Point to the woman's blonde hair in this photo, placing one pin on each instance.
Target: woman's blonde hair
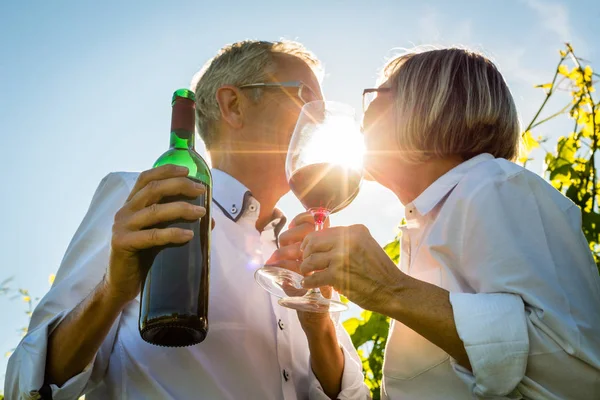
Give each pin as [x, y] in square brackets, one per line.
[452, 102]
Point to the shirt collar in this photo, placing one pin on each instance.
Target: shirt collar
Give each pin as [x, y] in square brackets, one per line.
[431, 196]
[235, 199]
[229, 194]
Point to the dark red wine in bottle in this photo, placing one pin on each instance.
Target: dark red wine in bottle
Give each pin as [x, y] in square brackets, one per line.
[174, 298]
[325, 186]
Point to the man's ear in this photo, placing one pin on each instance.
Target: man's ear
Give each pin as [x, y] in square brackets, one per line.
[229, 99]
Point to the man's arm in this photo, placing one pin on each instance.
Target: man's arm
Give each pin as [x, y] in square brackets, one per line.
[82, 268]
[75, 342]
[76, 319]
[326, 356]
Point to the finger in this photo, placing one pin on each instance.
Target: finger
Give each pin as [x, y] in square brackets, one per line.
[155, 174]
[326, 291]
[318, 279]
[320, 241]
[154, 191]
[291, 252]
[302, 218]
[296, 234]
[148, 238]
[156, 213]
[305, 218]
[292, 291]
[212, 224]
[290, 265]
[315, 262]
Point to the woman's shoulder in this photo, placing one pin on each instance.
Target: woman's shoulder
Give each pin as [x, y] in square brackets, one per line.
[500, 177]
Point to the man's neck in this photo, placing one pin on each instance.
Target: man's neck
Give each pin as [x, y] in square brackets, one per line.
[267, 186]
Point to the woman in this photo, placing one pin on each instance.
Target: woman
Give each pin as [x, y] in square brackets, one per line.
[497, 294]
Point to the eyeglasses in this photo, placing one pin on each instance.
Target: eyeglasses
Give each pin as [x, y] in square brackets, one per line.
[371, 94]
[305, 93]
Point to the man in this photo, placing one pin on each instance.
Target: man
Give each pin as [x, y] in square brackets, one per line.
[84, 337]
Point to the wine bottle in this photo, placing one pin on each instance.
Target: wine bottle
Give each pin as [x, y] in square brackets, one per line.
[174, 297]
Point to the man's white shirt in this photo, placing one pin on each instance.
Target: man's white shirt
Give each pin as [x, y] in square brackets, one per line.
[255, 349]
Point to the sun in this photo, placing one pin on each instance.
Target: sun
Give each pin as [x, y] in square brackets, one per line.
[337, 141]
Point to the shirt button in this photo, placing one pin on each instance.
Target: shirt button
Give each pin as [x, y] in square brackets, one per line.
[233, 209]
[280, 324]
[252, 207]
[286, 375]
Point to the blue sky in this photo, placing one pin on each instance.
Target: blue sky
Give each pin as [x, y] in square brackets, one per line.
[85, 89]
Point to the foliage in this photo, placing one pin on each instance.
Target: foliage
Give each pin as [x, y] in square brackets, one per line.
[25, 296]
[570, 167]
[369, 334]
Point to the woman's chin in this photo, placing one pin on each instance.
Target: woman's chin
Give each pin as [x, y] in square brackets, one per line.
[372, 173]
[367, 176]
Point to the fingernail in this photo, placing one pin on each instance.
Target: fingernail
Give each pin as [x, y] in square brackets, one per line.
[182, 169]
[198, 209]
[302, 283]
[188, 234]
[198, 185]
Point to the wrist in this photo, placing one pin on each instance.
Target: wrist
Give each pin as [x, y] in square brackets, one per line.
[317, 327]
[111, 296]
[397, 298]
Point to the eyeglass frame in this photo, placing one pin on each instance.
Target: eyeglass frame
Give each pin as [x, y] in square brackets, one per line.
[297, 84]
[373, 90]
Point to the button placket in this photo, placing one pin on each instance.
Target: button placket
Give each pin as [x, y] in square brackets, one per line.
[282, 335]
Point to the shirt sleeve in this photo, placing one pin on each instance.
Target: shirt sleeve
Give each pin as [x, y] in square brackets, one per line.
[82, 268]
[517, 327]
[353, 385]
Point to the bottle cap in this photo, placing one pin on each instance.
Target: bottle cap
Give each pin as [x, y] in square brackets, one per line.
[185, 93]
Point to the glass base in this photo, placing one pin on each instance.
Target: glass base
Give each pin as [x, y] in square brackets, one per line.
[286, 285]
[313, 302]
[280, 282]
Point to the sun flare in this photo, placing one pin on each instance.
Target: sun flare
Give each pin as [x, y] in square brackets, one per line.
[337, 141]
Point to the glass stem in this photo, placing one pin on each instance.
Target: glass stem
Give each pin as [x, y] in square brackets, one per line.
[320, 216]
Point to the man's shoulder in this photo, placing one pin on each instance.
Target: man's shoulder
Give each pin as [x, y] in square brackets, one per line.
[128, 178]
[114, 188]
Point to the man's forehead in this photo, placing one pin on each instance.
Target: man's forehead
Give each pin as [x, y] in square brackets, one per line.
[292, 68]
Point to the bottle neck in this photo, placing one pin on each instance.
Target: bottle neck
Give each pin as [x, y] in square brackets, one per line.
[182, 123]
[182, 139]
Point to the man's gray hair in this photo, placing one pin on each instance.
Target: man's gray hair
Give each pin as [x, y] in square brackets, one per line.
[241, 63]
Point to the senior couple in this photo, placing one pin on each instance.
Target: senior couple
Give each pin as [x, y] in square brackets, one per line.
[496, 295]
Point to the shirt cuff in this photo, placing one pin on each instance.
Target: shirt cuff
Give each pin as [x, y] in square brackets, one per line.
[32, 364]
[493, 328]
[352, 382]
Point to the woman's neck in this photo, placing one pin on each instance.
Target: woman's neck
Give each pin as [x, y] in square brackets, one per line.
[411, 179]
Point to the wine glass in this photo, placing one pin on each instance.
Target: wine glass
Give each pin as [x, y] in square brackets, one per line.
[324, 168]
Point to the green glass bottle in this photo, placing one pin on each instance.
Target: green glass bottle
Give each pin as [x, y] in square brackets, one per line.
[174, 299]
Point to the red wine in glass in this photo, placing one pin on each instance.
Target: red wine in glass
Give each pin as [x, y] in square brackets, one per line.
[327, 187]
